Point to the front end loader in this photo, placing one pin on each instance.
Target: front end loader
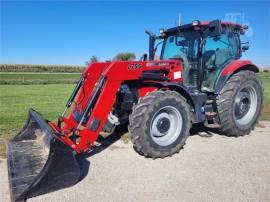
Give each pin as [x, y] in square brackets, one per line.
[38, 161]
[198, 79]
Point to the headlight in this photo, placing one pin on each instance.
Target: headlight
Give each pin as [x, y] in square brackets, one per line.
[195, 23]
[162, 32]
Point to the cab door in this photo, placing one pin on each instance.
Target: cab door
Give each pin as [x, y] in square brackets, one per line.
[218, 51]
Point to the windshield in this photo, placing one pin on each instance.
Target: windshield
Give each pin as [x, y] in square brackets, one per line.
[183, 45]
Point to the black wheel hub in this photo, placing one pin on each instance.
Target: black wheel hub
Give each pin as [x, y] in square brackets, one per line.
[163, 125]
[242, 104]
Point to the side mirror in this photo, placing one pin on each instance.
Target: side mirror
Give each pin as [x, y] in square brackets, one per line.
[245, 27]
[143, 57]
[215, 28]
[245, 48]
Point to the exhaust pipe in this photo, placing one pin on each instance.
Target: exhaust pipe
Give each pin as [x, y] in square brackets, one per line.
[38, 161]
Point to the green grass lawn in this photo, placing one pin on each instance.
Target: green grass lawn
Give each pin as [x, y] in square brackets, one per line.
[265, 78]
[15, 100]
[38, 78]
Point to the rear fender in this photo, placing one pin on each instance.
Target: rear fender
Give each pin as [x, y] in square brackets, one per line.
[231, 69]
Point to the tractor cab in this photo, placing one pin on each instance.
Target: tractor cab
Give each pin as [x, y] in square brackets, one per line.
[204, 48]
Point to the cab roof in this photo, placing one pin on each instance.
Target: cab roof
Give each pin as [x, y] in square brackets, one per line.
[196, 25]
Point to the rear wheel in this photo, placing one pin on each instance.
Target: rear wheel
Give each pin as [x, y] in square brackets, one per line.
[159, 124]
[240, 103]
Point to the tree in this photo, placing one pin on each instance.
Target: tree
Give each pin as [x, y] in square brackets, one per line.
[92, 60]
[125, 56]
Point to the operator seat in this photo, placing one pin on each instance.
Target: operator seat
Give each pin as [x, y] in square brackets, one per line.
[209, 59]
[222, 56]
[214, 62]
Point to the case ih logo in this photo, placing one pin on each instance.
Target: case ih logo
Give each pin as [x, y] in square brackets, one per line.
[134, 66]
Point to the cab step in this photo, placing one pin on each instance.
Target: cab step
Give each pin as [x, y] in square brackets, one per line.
[212, 125]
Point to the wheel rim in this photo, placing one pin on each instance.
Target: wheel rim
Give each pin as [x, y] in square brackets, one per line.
[166, 126]
[245, 105]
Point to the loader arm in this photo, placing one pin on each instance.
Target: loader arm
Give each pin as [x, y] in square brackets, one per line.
[42, 157]
[97, 95]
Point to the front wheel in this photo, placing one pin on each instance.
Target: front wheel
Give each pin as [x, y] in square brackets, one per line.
[239, 103]
[160, 124]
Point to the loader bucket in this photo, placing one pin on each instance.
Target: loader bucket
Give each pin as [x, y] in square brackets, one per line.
[38, 162]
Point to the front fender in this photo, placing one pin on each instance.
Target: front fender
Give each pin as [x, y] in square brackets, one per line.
[178, 88]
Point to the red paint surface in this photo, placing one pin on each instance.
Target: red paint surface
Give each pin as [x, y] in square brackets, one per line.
[115, 73]
[234, 66]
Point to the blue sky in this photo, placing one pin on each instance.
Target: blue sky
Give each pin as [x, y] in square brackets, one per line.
[70, 32]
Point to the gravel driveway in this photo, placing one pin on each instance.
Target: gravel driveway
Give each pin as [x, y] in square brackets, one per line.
[211, 167]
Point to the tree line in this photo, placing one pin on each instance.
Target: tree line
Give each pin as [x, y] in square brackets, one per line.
[125, 56]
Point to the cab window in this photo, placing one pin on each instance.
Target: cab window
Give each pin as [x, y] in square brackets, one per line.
[218, 51]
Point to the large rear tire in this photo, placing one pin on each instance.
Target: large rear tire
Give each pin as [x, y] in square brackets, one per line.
[160, 124]
[240, 103]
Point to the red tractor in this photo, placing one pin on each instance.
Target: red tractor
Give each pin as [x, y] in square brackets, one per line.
[198, 79]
